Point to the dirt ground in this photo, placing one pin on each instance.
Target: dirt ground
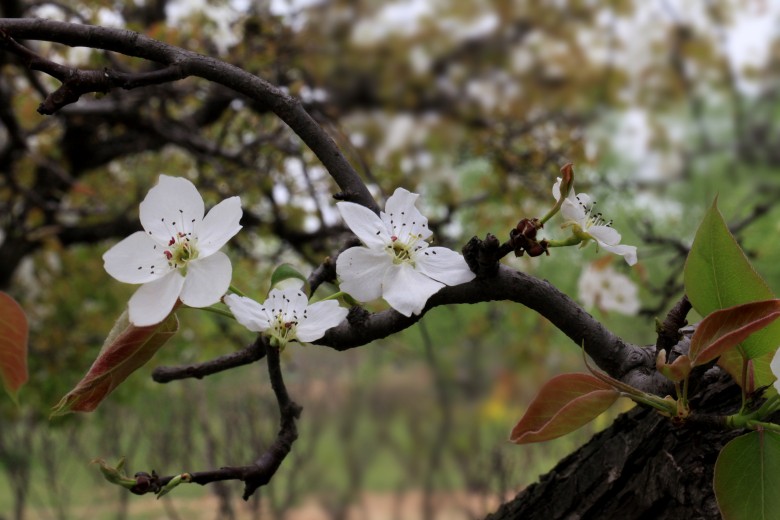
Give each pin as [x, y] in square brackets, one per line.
[370, 506]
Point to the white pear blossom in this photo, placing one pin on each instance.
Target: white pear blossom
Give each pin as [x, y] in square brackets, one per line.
[396, 263]
[608, 290]
[177, 255]
[286, 315]
[578, 210]
[774, 365]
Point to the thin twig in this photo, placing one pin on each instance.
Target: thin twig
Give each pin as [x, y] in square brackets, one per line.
[249, 354]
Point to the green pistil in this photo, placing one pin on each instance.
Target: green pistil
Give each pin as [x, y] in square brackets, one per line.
[183, 252]
[402, 253]
[284, 330]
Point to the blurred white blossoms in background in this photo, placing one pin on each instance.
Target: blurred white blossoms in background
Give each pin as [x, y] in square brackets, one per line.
[286, 315]
[607, 290]
[396, 263]
[587, 225]
[177, 255]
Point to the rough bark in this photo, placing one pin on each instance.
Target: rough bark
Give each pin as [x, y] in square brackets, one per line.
[642, 467]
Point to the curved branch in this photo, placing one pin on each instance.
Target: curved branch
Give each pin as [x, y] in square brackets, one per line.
[261, 470]
[254, 352]
[187, 63]
[612, 354]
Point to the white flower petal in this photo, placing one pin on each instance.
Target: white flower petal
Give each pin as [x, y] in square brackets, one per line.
[153, 301]
[248, 312]
[207, 280]
[290, 302]
[574, 212]
[365, 224]
[173, 206]
[443, 265]
[774, 365]
[407, 290]
[219, 226]
[320, 317]
[588, 286]
[136, 259]
[361, 271]
[604, 235]
[403, 218]
[582, 198]
[556, 189]
[627, 252]
[608, 290]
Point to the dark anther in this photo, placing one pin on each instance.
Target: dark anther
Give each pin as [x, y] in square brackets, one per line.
[523, 238]
[146, 483]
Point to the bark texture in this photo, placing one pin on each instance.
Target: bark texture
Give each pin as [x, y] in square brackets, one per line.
[641, 468]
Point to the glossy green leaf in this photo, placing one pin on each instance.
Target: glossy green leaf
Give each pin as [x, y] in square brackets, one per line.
[565, 403]
[13, 345]
[727, 328]
[747, 477]
[718, 275]
[126, 349]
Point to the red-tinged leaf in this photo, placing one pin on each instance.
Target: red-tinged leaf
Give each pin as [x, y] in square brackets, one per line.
[718, 275]
[13, 345]
[675, 371]
[727, 328]
[565, 403]
[126, 349]
[759, 373]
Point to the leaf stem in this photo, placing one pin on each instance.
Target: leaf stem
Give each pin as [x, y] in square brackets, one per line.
[571, 241]
[236, 290]
[334, 296]
[744, 378]
[215, 310]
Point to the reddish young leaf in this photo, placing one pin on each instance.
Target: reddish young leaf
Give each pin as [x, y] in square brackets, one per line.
[13, 345]
[565, 403]
[126, 349]
[726, 328]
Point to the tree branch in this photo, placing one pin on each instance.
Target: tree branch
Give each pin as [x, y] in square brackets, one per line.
[612, 354]
[261, 470]
[249, 354]
[180, 64]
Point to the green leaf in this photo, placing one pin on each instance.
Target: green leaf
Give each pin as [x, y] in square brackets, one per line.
[565, 403]
[286, 275]
[725, 329]
[747, 477]
[759, 372]
[13, 345]
[115, 475]
[718, 275]
[126, 349]
[173, 483]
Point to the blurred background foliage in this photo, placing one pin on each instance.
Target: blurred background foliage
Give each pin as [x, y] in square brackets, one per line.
[660, 105]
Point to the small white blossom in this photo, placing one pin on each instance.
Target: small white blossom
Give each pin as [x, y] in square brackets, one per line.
[578, 210]
[286, 315]
[608, 290]
[177, 255]
[396, 263]
[774, 365]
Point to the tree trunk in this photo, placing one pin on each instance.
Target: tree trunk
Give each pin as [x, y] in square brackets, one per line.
[642, 467]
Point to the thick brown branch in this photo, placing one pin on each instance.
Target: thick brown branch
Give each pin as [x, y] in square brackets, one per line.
[612, 354]
[669, 332]
[187, 63]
